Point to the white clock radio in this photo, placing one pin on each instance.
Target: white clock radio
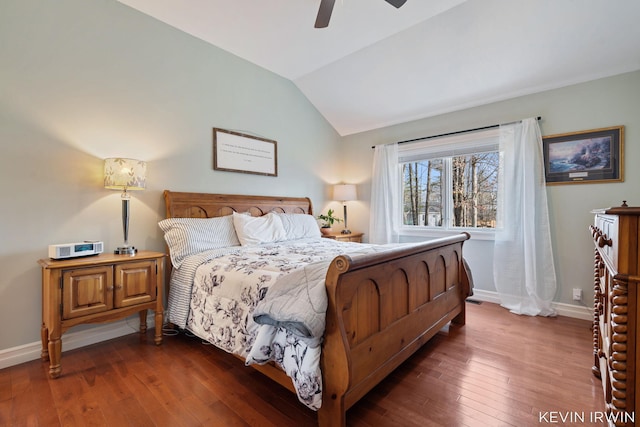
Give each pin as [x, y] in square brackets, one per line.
[73, 250]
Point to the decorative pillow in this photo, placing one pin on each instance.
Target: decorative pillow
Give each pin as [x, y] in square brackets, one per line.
[254, 230]
[299, 226]
[188, 236]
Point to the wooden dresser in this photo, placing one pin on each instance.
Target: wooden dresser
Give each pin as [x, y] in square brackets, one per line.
[616, 301]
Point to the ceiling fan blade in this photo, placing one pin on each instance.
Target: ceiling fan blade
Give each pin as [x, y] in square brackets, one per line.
[396, 3]
[324, 13]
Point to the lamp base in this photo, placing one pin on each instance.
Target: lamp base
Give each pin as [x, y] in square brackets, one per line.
[345, 231]
[125, 250]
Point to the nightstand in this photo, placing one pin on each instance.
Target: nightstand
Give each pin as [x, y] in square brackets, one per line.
[97, 289]
[353, 237]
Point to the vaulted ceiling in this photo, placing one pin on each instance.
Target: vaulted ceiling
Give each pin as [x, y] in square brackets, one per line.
[375, 65]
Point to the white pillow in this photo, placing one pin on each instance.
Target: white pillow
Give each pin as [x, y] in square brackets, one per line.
[188, 236]
[255, 230]
[299, 226]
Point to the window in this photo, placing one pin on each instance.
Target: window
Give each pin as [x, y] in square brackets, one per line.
[451, 182]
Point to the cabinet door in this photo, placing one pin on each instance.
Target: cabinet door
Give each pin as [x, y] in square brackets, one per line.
[135, 283]
[87, 291]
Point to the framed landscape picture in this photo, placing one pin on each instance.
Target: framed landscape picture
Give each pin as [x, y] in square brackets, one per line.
[582, 157]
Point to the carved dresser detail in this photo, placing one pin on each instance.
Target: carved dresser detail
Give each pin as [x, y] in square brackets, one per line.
[616, 300]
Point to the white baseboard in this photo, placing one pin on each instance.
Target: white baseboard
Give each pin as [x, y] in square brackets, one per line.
[72, 340]
[568, 310]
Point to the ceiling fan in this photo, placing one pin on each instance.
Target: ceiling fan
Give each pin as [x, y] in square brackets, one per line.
[326, 7]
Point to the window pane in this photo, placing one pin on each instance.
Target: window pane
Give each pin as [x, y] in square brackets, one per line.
[422, 193]
[475, 190]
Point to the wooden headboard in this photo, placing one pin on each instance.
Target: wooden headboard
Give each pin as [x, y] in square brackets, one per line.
[206, 205]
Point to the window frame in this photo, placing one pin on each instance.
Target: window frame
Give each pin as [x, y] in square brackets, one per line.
[446, 148]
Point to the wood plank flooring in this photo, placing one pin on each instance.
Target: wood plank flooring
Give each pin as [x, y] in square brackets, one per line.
[500, 369]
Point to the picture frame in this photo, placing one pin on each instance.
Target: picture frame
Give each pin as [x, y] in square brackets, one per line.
[240, 152]
[588, 156]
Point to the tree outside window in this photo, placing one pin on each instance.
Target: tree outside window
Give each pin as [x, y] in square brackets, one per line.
[451, 192]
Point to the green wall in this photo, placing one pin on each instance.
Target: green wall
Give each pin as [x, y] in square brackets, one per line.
[81, 81]
[601, 103]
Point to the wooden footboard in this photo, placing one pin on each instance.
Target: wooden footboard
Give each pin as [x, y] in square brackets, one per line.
[382, 308]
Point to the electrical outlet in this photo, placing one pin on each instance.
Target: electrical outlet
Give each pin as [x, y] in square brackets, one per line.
[577, 294]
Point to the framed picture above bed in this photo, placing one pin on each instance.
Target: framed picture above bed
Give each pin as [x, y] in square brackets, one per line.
[584, 157]
[239, 152]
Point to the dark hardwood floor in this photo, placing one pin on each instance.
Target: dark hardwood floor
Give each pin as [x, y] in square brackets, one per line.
[499, 369]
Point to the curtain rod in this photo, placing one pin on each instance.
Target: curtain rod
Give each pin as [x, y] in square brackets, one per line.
[459, 131]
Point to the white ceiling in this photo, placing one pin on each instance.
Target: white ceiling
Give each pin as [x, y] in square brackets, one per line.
[376, 66]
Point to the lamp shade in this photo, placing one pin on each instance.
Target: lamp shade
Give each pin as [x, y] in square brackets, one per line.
[344, 192]
[125, 174]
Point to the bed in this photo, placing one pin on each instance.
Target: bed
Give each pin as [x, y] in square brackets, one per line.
[381, 304]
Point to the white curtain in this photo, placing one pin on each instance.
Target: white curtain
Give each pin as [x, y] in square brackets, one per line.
[385, 190]
[523, 268]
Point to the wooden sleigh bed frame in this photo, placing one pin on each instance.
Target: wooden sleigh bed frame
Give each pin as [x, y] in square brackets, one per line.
[381, 308]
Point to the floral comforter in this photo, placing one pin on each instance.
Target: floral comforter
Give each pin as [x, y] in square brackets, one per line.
[228, 287]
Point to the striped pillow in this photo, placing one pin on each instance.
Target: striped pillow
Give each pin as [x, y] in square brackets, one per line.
[188, 236]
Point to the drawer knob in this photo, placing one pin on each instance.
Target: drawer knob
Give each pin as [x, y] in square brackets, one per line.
[603, 241]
